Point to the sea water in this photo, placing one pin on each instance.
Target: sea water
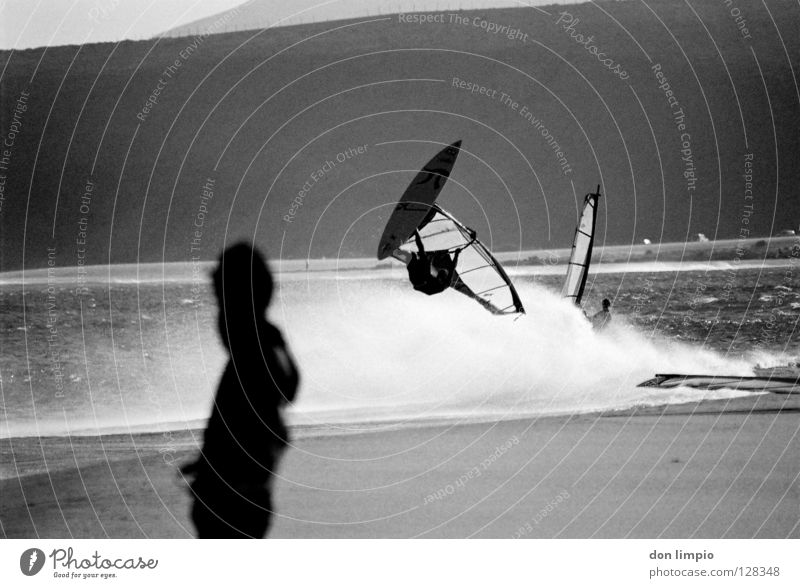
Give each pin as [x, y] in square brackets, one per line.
[134, 353]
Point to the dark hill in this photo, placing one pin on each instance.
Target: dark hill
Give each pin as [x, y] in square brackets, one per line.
[258, 112]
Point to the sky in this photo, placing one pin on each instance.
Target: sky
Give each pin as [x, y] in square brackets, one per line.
[35, 23]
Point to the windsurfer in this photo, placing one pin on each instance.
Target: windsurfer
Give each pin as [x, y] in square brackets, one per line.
[601, 319]
[432, 272]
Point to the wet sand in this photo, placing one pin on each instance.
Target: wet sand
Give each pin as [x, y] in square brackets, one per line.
[715, 469]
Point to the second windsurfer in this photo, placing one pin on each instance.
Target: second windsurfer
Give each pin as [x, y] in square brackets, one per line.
[601, 319]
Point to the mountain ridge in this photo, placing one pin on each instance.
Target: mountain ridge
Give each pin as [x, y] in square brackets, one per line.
[259, 112]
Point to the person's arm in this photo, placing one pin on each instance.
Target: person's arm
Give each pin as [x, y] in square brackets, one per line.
[275, 367]
[420, 246]
[455, 258]
[289, 370]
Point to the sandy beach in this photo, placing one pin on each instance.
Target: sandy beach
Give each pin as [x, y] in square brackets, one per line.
[714, 469]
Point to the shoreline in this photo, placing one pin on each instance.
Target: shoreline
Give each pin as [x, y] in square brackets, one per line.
[415, 481]
[313, 425]
[673, 256]
[180, 272]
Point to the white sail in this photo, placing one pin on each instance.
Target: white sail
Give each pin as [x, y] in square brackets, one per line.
[581, 256]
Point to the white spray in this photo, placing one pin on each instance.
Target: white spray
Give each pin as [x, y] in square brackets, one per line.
[375, 349]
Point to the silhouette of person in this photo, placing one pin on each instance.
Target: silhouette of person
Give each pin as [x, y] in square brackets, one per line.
[601, 319]
[245, 436]
[432, 272]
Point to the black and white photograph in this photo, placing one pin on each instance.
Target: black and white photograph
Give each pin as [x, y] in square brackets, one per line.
[357, 269]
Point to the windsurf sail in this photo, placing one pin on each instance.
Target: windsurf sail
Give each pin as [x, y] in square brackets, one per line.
[581, 256]
[746, 383]
[477, 273]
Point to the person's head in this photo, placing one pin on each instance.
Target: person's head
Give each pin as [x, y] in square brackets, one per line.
[242, 283]
[606, 303]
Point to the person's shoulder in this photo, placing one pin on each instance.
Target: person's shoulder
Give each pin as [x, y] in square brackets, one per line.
[270, 334]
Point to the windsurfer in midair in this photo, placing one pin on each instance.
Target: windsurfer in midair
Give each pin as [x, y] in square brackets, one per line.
[432, 272]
